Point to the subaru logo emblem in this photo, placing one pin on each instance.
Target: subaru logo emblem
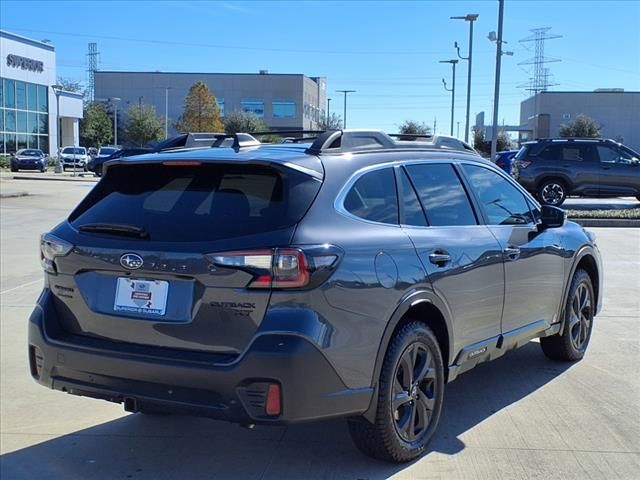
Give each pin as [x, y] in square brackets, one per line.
[131, 261]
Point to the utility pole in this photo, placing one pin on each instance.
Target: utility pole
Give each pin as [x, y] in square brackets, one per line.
[57, 89]
[166, 112]
[452, 90]
[328, 109]
[470, 17]
[344, 117]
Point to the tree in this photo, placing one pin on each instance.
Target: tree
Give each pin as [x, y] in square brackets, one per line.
[143, 125]
[201, 111]
[583, 126]
[334, 122]
[484, 146]
[70, 85]
[414, 127]
[96, 128]
[245, 122]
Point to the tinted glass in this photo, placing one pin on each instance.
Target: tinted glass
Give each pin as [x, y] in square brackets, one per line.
[43, 99]
[198, 203]
[373, 197]
[71, 150]
[411, 208]
[283, 108]
[9, 92]
[442, 195]
[32, 96]
[253, 105]
[21, 95]
[567, 153]
[502, 202]
[609, 154]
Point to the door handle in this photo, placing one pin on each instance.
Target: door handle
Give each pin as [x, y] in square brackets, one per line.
[513, 253]
[439, 258]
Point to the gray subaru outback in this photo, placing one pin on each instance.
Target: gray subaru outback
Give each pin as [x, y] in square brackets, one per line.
[349, 276]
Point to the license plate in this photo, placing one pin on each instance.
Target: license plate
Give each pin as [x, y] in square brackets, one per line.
[141, 296]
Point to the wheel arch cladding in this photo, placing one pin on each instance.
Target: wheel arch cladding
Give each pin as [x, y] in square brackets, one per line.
[588, 264]
[566, 181]
[423, 311]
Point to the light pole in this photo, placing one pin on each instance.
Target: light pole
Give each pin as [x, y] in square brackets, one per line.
[328, 108]
[57, 90]
[115, 101]
[470, 17]
[496, 91]
[344, 119]
[452, 90]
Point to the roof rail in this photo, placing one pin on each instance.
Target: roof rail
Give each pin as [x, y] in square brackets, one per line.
[240, 140]
[341, 141]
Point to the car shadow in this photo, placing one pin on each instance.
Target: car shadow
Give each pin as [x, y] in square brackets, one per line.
[155, 447]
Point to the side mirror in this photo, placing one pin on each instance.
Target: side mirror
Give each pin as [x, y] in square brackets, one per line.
[552, 217]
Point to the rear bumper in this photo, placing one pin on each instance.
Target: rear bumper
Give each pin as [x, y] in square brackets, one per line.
[311, 389]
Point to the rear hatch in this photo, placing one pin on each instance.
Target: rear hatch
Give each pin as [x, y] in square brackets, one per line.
[158, 250]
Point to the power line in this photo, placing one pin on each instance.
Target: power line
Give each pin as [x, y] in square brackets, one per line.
[233, 47]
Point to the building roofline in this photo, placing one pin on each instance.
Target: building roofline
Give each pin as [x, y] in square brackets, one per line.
[137, 72]
[29, 41]
[585, 91]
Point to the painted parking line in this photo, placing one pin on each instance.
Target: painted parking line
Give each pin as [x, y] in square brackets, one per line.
[20, 286]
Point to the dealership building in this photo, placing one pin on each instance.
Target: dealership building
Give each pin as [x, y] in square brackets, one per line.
[30, 101]
[282, 101]
[616, 111]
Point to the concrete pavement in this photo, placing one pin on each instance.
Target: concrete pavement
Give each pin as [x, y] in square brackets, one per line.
[520, 417]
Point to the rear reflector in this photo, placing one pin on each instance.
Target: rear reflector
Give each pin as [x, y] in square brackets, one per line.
[273, 406]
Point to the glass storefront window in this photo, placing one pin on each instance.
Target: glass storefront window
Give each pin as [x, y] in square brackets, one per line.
[22, 141]
[32, 122]
[9, 93]
[43, 143]
[32, 97]
[10, 142]
[24, 119]
[221, 105]
[21, 95]
[43, 123]
[284, 108]
[43, 99]
[253, 105]
[22, 122]
[10, 120]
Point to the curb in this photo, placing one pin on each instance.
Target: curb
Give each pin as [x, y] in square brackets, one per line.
[607, 222]
[58, 179]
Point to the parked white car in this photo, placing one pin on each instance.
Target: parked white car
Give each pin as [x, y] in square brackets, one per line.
[74, 157]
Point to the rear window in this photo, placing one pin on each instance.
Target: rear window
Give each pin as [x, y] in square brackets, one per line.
[198, 203]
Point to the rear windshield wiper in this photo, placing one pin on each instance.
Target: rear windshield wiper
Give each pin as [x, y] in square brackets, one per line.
[115, 229]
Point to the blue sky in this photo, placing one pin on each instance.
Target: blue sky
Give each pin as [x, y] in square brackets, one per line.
[387, 51]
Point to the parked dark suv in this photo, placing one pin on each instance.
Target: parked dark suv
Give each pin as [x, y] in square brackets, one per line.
[353, 276]
[587, 167]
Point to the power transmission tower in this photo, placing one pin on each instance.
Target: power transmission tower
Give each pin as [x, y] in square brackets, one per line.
[539, 82]
[92, 62]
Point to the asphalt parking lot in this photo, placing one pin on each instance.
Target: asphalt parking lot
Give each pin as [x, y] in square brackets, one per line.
[520, 417]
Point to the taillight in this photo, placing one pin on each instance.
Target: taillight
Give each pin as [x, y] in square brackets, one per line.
[274, 268]
[50, 248]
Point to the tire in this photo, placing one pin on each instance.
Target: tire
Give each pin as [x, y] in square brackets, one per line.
[571, 345]
[418, 403]
[552, 192]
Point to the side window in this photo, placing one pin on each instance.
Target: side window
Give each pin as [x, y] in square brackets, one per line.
[442, 195]
[502, 202]
[610, 155]
[411, 208]
[373, 197]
